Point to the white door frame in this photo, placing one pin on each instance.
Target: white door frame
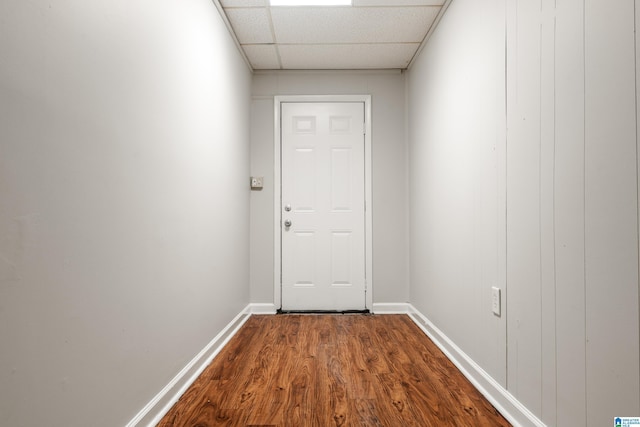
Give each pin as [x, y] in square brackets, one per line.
[277, 190]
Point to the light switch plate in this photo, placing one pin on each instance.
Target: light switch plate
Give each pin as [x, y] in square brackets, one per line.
[496, 301]
[256, 182]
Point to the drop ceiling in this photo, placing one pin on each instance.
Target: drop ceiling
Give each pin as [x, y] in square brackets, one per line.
[371, 34]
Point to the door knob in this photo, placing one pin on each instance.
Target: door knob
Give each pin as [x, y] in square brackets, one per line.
[287, 223]
[287, 208]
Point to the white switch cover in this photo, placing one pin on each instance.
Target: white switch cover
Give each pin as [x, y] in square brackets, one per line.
[256, 182]
[495, 300]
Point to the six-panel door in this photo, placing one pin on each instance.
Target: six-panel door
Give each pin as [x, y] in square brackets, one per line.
[323, 248]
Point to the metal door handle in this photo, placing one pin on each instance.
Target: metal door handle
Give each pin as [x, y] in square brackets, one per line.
[287, 223]
[287, 208]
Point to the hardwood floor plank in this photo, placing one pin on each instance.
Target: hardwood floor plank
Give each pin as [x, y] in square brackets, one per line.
[337, 391]
[331, 370]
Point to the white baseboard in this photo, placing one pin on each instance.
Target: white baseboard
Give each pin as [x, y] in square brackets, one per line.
[514, 411]
[158, 407]
[391, 308]
[260, 308]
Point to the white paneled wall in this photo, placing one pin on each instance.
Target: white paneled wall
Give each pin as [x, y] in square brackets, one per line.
[570, 350]
[611, 228]
[572, 208]
[524, 222]
[570, 331]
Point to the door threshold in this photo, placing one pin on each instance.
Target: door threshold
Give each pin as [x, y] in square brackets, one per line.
[281, 311]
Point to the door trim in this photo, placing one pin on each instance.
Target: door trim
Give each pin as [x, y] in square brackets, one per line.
[277, 198]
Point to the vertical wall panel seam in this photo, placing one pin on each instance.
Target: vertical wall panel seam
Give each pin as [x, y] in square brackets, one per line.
[506, 126]
[547, 194]
[635, 52]
[584, 196]
[407, 190]
[553, 223]
[540, 198]
[506, 192]
[504, 159]
[506, 187]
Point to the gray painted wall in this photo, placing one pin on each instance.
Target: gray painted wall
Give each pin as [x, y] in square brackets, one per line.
[124, 204]
[457, 146]
[551, 216]
[390, 190]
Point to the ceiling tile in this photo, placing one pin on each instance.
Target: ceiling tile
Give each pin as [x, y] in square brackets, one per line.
[371, 34]
[251, 25]
[244, 3]
[262, 56]
[354, 56]
[295, 25]
[360, 3]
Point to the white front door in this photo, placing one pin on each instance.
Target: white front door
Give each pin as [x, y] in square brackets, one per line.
[322, 208]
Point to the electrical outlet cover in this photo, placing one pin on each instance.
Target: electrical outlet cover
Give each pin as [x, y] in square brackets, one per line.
[496, 301]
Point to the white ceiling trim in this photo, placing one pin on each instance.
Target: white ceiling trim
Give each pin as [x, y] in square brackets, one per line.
[223, 15]
[445, 6]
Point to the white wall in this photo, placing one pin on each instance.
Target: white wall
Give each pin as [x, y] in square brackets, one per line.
[389, 169]
[124, 204]
[566, 233]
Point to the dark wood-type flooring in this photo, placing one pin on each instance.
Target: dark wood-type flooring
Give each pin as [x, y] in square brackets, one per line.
[331, 370]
